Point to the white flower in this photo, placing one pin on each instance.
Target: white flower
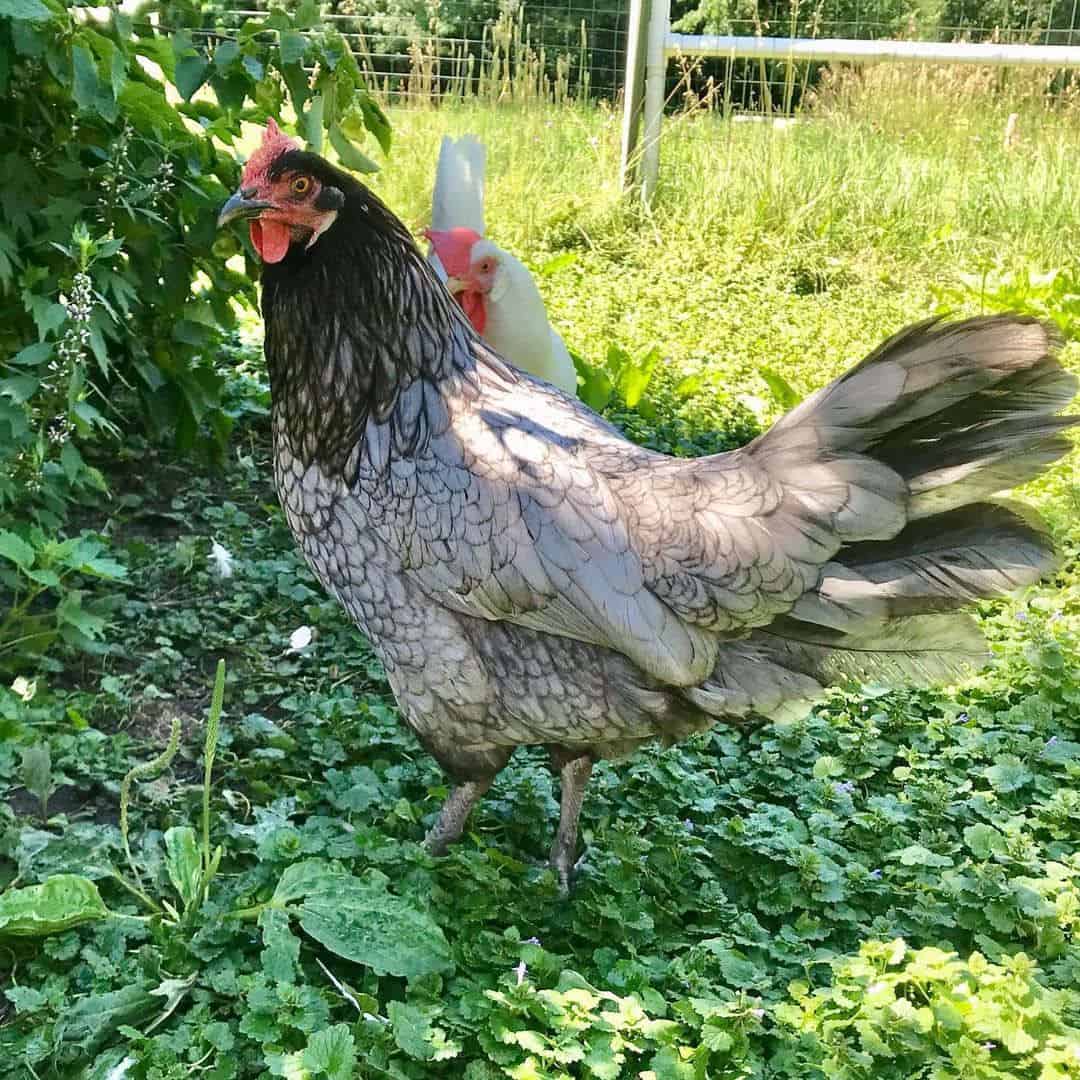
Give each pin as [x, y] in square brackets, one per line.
[25, 688]
[299, 639]
[222, 559]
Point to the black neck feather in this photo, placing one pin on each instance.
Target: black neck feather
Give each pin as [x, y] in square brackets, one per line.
[352, 323]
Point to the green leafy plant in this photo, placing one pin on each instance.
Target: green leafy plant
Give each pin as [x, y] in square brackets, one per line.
[620, 373]
[45, 579]
[114, 286]
[36, 774]
[891, 1011]
[1054, 295]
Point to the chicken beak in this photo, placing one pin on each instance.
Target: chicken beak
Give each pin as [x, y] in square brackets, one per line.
[242, 205]
[455, 284]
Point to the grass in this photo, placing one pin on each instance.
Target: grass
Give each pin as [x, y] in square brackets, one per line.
[753, 904]
[825, 232]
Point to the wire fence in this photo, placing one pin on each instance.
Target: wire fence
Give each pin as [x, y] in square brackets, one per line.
[575, 50]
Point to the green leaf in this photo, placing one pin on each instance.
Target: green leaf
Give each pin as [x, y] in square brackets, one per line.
[668, 1065]
[785, 394]
[594, 387]
[917, 855]
[296, 79]
[689, 386]
[192, 68]
[183, 861]
[71, 461]
[191, 73]
[147, 108]
[828, 766]
[27, 10]
[559, 262]
[33, 355]
[225, 54]
[85, 86]
[86, 1023]
[293, 47]
[359, 920]
[983, 840]
[1061, 751]
[281, 951]
[25, 998]
[16, 549]
[635, 377]
[412, 1031]
[19, 388]
[71, 611]
[1009, 774]
[57, 904]
[35, 771]
[313, 124]
[331, 1052]
[348, 155]
[376, 121]
[161, 52]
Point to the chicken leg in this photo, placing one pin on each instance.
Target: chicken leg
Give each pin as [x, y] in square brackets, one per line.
[574, 773]
[450, 823]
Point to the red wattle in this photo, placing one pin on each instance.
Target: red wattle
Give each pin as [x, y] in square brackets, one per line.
[472, 303]
[271, 239]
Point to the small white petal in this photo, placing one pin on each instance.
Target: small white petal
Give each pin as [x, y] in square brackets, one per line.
[299, 639]
[25, 688]
[222, 559]
[117, 1072]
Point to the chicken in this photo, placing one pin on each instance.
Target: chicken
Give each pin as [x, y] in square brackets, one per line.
[496, 290]
[529, 577]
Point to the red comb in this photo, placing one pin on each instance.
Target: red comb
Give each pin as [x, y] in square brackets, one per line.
[454, 248]
[274, 143]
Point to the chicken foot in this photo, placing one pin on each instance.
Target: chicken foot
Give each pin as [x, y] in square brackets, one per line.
[574, 773]
[450, 823]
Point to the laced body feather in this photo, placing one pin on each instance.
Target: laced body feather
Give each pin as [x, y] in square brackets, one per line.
[528, 576]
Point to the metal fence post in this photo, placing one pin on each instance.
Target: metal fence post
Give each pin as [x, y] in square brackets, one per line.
[655, 70]
[634, 90]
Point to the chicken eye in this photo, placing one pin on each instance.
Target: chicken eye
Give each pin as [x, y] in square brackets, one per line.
[301, 185]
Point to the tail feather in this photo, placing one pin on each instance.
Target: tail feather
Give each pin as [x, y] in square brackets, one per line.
[780, 671]
[954, 413]
[934, 565]
[458, 198]
[942, 374]
[921, 650]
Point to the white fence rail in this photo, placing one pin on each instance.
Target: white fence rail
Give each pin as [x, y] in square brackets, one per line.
[652, 44]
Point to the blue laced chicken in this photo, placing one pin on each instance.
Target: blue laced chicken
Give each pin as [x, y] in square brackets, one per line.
[529, 577]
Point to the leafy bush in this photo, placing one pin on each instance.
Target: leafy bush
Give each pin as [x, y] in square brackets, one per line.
[114, 285]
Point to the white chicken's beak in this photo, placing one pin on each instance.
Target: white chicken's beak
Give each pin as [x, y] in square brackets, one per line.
[455, 285]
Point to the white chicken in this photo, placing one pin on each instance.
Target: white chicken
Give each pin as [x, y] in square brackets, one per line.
[494, 289]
